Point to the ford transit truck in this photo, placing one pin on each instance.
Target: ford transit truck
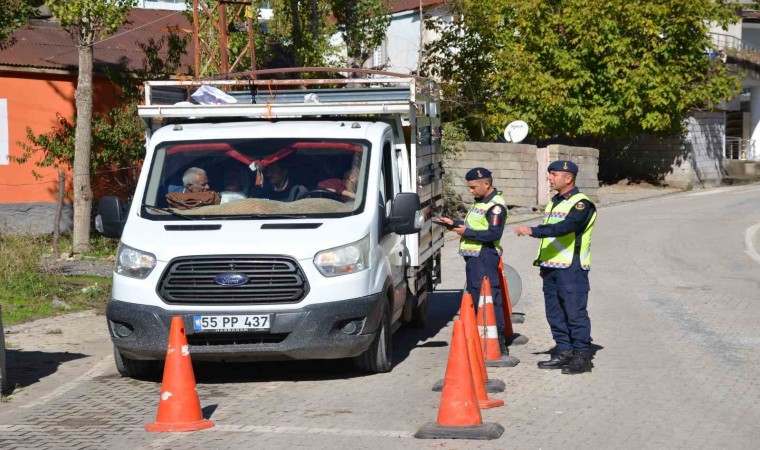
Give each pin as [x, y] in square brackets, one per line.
[326, 274]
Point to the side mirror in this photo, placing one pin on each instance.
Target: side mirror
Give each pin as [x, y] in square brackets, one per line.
[110, 219]
[406, 217]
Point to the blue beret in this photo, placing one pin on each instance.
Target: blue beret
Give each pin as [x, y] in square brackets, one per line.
[477, 173]
[564, 166]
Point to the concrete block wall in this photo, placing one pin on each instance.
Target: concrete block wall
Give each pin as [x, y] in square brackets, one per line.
[692, 159]
[513, 167]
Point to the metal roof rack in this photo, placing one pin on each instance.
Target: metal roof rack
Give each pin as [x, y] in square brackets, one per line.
[384, 93]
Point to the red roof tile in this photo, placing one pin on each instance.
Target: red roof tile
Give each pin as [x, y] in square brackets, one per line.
[44, 45]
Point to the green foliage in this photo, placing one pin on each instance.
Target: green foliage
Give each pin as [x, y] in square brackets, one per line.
[300, 31]
[90, 20]
[27, 290]
[14, 14]
[618, 68]
[362, 23]
[118, 136]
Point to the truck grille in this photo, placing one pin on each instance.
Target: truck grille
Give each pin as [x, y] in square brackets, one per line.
[270, 280]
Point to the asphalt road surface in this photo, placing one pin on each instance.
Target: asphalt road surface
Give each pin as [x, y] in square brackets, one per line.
[675, 306]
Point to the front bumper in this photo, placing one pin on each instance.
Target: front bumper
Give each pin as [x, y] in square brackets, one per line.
[313, 332]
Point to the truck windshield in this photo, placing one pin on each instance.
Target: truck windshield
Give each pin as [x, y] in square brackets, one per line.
[261, 178]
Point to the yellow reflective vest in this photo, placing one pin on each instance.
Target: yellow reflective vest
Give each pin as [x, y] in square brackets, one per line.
[557, 252]
[476, 220]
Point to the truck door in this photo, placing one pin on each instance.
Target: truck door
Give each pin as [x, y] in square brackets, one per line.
[392, 243]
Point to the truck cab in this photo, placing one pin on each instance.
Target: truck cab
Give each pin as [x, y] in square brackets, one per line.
[311, 238]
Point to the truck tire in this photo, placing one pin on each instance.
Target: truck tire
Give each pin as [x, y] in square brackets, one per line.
[378, 357]
[134, 368]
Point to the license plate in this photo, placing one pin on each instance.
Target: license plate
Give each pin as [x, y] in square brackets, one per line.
[232, 323]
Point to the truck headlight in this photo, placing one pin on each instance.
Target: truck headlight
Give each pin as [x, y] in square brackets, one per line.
[345, 259]
[134, 263]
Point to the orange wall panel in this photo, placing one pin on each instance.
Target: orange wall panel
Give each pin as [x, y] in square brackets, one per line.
[33, 101]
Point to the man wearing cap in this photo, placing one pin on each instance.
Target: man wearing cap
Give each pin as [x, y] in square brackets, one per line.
[480, 245]
[564, 258]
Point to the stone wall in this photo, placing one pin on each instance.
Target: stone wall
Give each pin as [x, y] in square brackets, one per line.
[693, 159]
[519, 170]
[33, 218]
[513, 167]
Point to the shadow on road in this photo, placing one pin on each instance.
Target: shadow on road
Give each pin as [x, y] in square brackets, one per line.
[444, 305]
[27, 368]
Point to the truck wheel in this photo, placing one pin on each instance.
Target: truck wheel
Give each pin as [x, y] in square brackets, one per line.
[134, 368]
[378, 357]
[420, 315]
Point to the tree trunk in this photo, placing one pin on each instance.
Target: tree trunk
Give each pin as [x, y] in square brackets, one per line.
[58, 212]
[296, 31]
[83, 137]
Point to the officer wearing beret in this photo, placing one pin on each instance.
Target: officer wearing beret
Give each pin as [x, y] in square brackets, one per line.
[564, 258]
[480, 245]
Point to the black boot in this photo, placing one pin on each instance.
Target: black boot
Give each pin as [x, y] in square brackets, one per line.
[558, 359]
[503, 348]
[580, 363]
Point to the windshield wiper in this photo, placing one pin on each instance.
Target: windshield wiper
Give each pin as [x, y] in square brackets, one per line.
[167, 210]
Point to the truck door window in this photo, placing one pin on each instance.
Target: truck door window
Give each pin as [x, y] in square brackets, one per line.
[389, 185]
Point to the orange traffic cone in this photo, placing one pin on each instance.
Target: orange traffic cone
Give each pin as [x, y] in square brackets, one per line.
[458, 413]
[506, 304]
[179, 408]
[484, 401]
[488, 333]
[467, 316]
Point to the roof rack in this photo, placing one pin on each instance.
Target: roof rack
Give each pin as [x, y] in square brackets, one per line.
[384, 93]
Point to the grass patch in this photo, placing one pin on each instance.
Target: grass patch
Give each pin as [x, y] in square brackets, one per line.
[27, 293]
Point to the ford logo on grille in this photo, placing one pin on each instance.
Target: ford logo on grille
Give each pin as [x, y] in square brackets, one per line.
[231, 279]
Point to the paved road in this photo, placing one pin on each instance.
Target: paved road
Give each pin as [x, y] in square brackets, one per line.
[674, 307]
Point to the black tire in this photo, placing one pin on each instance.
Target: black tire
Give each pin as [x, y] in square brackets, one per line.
[378, 358]
[134, 368]
[420, 315]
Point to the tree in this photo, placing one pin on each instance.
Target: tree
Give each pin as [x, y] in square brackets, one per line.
[572, 71]
[14, 14]
[362, 23]
[118, 136]
[87, 21]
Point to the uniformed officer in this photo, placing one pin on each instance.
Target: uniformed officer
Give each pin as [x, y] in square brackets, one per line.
[481, 231]
[564, 258]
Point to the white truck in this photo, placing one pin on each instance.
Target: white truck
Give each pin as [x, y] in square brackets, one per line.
[320, 276]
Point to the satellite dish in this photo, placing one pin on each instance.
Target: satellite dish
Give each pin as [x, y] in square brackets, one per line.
[516, 131]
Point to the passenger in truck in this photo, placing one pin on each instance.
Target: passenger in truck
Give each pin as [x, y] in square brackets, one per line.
[278, 185]
[233, 187]
[196, 191]
[345, 188]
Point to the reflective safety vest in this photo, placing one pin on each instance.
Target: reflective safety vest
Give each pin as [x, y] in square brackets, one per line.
[476, 220]
[557, 252]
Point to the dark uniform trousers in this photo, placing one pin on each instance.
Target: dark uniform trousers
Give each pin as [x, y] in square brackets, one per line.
[485, 265]
[566, 298]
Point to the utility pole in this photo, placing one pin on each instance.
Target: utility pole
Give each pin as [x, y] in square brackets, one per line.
[213, 21]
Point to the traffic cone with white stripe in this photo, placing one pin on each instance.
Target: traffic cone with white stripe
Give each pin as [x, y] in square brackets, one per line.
[179, 408]
[458, 413]
[510, 336]
[467, 316]
[484, 401]
[486, 322]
